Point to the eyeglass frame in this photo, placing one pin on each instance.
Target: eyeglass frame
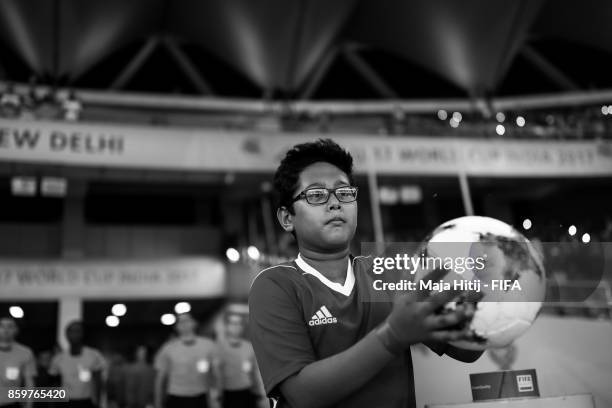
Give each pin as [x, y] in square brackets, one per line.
[330, 191]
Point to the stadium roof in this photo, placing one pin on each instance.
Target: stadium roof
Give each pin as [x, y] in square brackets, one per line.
[310, 49]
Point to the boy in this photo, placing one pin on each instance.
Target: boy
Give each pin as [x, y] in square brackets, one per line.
[240, 379]
[186, 369]
[17, 364]
[80, 369]
[139, 380]
[318, 337]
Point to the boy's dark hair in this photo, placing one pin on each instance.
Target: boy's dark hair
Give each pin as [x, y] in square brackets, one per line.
[190, 315]
[73, 323]
[303, 155]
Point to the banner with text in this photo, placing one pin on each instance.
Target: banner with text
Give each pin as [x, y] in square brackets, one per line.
[142, 279]
[143, 147]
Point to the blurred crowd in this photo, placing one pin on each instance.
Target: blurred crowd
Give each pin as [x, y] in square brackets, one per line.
[39, 104]
[188, 370]
[572, 123]
[576, 123]
[579, 284]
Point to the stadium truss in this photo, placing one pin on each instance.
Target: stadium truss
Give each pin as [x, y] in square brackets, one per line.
[306, 50]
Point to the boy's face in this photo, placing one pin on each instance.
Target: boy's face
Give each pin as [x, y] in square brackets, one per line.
[233, 327]
[8, 330]
[326, 227]
[44, 359]
[185, 324]
[141, 354]
[74, 333]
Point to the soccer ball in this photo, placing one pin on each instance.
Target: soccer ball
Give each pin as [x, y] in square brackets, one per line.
[487, 255]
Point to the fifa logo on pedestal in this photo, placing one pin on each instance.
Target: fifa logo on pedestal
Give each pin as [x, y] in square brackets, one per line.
[524, 383]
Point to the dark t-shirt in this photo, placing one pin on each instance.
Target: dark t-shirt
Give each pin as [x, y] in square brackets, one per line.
[297, 316]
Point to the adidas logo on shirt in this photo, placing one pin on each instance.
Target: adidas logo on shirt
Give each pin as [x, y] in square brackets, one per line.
[323, 316]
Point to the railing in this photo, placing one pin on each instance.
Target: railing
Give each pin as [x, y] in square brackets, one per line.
[337, 107]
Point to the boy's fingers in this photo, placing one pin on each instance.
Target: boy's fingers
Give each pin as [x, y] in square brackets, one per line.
[473, 296]
[437, 300]
[436, 274]
[445, 336]
[456, 317]
[436, 322]
[403, 298]
[451, 335]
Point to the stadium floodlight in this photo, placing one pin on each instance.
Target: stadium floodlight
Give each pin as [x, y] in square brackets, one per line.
[253, 252]
[24, 186]
[119, 309]
[112, 321]
[182, 307]
[527, 224]
[16, 312]
[168, 319]
[232, 255]
[53, 186]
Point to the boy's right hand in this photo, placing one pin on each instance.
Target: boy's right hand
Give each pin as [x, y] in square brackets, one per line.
[414, 318]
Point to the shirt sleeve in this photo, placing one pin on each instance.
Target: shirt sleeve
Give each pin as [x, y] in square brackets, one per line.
[214, 352]
[213, 355]
[278, 331]
[54, 368]
[99, 363]
[29, 365]
[162, 361]
[257, 387]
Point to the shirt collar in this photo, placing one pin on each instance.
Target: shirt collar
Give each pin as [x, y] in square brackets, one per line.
[345, 289]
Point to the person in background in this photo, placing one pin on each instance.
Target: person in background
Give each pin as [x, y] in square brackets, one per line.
[139, 380]
[115, 380]
[187, 372]
[17, 363]
[43, 378]
[80, 368]
[240, 380]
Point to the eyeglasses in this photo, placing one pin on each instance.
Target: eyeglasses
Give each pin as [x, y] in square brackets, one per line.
[320, 195]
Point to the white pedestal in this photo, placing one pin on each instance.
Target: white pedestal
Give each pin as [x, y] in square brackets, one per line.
[568, 401]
